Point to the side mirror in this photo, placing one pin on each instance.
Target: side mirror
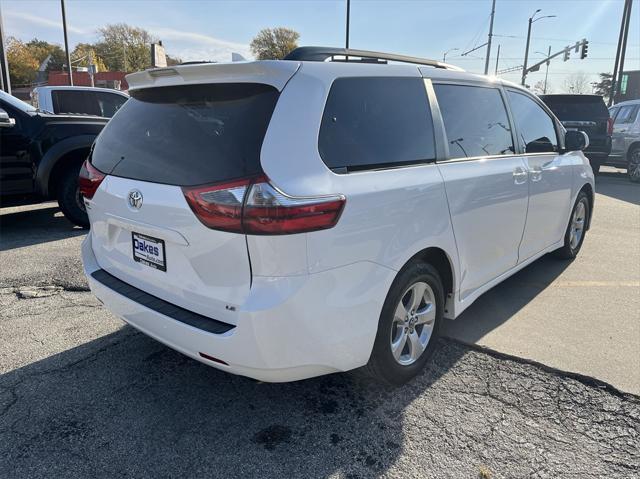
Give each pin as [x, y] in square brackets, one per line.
[575, 140]
[5, 120]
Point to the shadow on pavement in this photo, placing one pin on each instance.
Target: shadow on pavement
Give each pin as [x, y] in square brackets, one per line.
[617, 185]
[125, 405]
[500, 304]
[34, 226]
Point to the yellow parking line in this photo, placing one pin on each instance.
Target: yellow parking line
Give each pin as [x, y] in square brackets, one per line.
[580, 284]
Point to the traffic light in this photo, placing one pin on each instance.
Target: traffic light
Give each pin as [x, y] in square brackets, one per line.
[566, 54]
[585, 49]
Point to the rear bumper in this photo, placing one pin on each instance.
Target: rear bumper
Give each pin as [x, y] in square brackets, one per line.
[598, 149]
[289, 328]
[598, 157]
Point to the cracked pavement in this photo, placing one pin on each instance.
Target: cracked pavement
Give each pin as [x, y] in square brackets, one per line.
[114, 403]
[83, 395]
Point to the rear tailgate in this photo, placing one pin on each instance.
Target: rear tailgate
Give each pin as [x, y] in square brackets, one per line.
[196, 268]
[166, 137]
[586, 113]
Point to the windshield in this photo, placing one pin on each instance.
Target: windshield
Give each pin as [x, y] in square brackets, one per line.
[16, 103]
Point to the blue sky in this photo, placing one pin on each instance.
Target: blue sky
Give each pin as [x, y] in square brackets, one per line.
[211, 30]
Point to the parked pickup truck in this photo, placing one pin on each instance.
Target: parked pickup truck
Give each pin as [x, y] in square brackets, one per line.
[41, 155]
[78, 100]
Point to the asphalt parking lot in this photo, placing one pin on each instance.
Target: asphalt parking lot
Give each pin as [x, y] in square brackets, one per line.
[554, 395]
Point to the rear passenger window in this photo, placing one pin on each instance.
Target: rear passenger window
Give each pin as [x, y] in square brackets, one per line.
[627, 114]
[376, 122]
[75, 101]
[535, 126]
[475, 120]
[109, 103]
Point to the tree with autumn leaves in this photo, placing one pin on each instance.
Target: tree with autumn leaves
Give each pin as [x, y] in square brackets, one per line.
[120, 47]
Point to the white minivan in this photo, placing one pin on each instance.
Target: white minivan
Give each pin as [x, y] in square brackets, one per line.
[287, 219]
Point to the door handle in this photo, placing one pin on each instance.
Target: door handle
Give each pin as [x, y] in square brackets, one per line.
[536, 174]
[520, 176]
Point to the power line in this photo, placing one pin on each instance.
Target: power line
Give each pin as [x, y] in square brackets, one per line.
[552, 39]
[476, 37]
[466, 57]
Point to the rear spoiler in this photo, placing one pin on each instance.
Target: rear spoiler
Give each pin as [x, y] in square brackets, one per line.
[270, 72]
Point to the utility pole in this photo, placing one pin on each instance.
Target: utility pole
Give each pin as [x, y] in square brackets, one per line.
[532, 19]
[526, 50]
[486, 61]
[616, 79]
[497, 60]
[346, 43]
[66, 42]
[5, 81]
[546, 74]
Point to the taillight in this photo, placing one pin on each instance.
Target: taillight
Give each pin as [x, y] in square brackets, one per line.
[219, 206]
[254, 206]
[89, 179]
[609, 126]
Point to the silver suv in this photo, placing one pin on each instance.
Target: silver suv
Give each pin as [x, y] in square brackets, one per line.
[625, 140]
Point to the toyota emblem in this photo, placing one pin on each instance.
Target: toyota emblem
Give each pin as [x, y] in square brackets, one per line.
[135, 199]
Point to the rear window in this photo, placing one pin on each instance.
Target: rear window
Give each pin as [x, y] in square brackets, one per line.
[576, 107]
[109, 103]
[188, 135]
[627, 114]
[376, 123]
[75, 101]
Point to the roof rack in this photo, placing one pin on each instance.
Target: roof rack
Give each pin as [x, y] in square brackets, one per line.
[321, 54]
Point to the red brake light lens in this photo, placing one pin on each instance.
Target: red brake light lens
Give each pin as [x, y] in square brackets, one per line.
[254, 206]
[89, 179]
[610, 126]
[269, 211]
[219, 206]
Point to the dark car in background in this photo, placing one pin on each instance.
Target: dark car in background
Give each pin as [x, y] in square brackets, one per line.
[587, 113]
[41, 155]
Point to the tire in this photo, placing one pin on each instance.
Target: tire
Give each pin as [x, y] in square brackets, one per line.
[633, 165]
[579, 218]
[69, 198]
[383, 365]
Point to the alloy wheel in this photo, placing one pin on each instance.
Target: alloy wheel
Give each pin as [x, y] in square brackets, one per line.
[633, 169]
[413, 323]
[80, 201]
[577, 224]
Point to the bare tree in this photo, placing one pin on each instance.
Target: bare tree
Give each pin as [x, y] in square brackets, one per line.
[577, 83]
[540, 88]
[274, 43]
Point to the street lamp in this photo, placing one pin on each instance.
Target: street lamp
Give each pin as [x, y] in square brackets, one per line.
[532, 19]
[444, 57]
